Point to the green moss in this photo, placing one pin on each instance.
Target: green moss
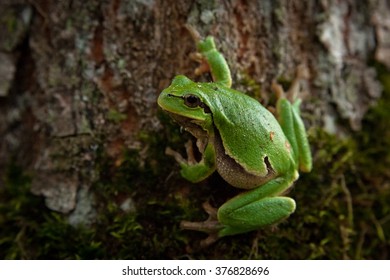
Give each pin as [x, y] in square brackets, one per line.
[116, 116]
[279, 15]
[31, 231]
[253, 89]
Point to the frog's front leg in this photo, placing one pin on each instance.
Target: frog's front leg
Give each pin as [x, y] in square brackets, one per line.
[210, 59]
[216, 62]
[178, 157]
[248, 211]
[191, 169]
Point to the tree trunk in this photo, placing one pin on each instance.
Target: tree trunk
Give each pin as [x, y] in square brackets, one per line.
[78, 116]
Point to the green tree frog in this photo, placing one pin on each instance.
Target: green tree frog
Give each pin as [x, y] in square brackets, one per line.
[240, 139]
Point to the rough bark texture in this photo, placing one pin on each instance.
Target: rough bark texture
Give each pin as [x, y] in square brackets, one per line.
[79, 82]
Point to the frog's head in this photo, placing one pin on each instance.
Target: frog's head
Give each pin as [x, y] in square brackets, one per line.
[184, 102]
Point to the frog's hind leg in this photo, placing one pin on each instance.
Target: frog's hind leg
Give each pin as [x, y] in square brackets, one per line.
[259, 214]
[256, 208]
[248, 211]
[292, 125]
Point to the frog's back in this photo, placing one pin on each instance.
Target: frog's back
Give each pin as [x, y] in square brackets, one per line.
[249, 132]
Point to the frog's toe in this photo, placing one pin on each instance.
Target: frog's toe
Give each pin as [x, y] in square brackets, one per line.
[211, 226]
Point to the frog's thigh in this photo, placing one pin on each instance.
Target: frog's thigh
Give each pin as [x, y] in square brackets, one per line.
[305, 159]
[286, 121]
[256, 208]
[264, 212]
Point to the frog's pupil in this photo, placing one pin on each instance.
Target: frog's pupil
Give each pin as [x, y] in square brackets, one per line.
[192, 100]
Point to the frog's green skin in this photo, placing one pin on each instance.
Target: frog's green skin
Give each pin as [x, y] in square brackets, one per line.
[243, 141]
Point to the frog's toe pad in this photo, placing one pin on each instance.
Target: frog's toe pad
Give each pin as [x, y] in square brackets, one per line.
[211, 226]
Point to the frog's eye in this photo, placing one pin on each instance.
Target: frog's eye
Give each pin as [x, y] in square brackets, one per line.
[192, 101]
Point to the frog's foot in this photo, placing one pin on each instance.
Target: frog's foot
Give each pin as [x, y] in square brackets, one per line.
[178, 157]
[203, 67]
[278, 90]
[292, 94]
[193, 32]
[211, 226]
[302, 73]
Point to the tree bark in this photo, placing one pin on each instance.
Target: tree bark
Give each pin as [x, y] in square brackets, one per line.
[80, 79]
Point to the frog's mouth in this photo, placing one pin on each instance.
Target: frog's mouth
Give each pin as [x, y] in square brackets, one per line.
[189, 125]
